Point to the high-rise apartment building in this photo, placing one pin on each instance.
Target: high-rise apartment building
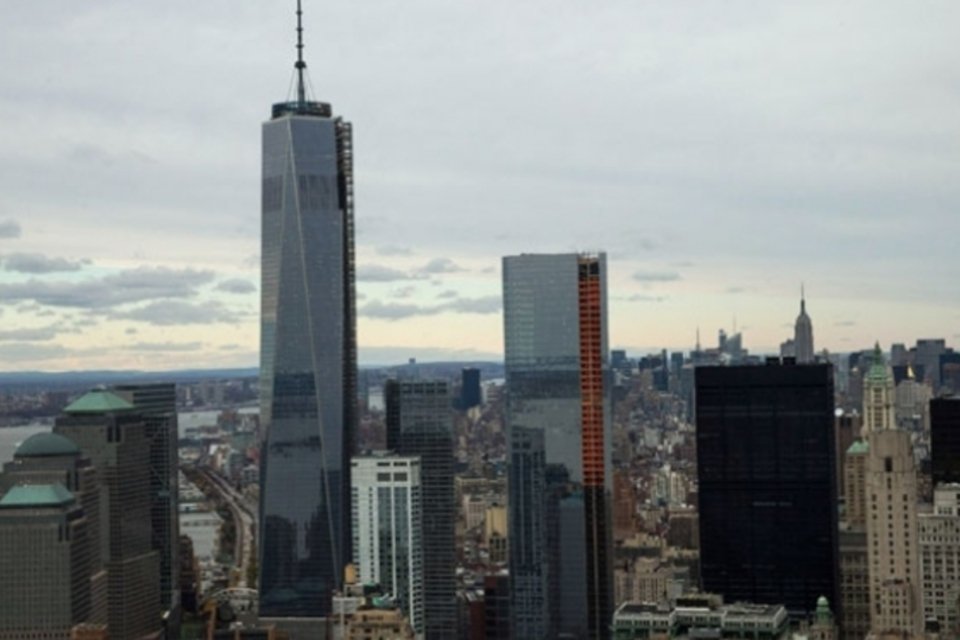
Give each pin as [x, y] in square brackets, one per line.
[157, 404]
[767, 484]
[470, 392]
[44, 562]
[803, 334]
[940, 560]
[387, 529]
[892, 537]
[420, 423]
[113, 435]
[558, 422]
[945, 439]
[307, 355]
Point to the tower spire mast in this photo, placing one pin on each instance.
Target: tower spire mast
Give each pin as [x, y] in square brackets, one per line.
[300, 64]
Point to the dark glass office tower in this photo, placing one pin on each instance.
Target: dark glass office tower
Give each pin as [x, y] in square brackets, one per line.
[470, 393]
[307, 356]
[766, 464]
[419, 423]
[945, 439]
[157, 403]
[558, 421]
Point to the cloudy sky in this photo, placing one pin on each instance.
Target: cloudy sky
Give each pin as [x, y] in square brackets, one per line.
[721, 153]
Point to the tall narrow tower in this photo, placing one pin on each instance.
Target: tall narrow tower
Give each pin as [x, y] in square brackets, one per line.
[803, 333]
[307, 354]
[558, 421]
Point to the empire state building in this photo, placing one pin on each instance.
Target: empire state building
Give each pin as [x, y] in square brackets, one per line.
[307, 354]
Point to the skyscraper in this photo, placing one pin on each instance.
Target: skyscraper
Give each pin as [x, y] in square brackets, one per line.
[45, 556]
[157, 404]
[945, 439]
[803, 334]
[558, 421]
[387, 529]
[307, 354]
[767, 479]
[878, 395]
[420, 423]
[892, 535]
[113, 435]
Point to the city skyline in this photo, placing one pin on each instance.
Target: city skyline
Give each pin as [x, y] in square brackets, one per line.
[719, 156]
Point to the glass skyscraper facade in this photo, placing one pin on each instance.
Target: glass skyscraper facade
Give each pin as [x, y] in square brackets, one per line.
[558, 421]
[420, 423]
[308, 358]
[768, 488]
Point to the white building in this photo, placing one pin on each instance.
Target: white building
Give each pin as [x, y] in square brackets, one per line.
[940, 559]
[387, 528]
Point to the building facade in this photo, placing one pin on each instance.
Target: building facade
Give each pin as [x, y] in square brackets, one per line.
[44, 563]
[892, 536]
[157, 403]
[109, 431]
[420, 423]
[803, 335]
[558, 423]
[307, 356]
[767, 484]
[939, 532]
[945, 439]
[387, 529]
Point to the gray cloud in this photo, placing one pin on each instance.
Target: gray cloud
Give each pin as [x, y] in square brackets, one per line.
[381, 273]
[37, 334]
[642, 297]
[130, 331]
[236, 285]
[403, 292]
[394, 250]
[176, 312]
[9, 229]
[398, 311]
[656, 276]
[164, 346]
[133, 285]
[28, 351]
[233, 346]
[447, 294]
[845, 323]
[441, 265]
[38, 263]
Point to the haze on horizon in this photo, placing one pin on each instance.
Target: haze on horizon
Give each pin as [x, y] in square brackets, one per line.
[720, 154]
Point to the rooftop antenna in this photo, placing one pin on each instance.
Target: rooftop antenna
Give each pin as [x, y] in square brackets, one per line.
[803, 302]
[300, 65]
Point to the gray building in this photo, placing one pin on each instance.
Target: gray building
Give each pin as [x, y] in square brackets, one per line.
[157, 403]
[113, 435]
[307, 356]
[420, 423]
[558, 423]
[51, 459]
[44, 563]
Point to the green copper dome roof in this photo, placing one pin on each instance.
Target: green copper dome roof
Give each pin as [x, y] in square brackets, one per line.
[878, 369]
[36, 495]
[98, 401]
[858, 446]
[46, 444]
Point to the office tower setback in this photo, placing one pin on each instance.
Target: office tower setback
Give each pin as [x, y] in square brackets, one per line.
[157, 404]
[945, 439]
[307, 355]
[767, 482]
[420, 423]
[107, 429]
[558, 421]
[892, 538]
[387, 529]
[45, 561]
[803, 334]
[940, 560]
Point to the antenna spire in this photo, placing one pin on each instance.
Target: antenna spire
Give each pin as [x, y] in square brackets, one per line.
[803, 301]
[300, 65]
